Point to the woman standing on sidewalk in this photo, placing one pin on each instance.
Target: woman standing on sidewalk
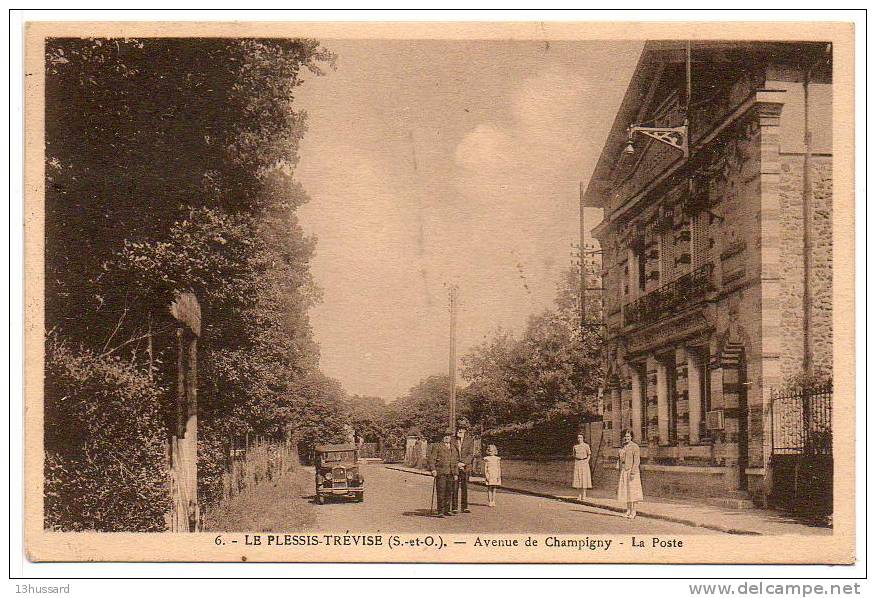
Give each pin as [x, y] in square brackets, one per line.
[581, 478]
[629, 483]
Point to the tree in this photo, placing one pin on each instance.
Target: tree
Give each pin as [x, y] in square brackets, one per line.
[169, 167]
[368, 416]
[316, 411]
[552, 369]
[140, 132]
[489, 370]
[425, 408]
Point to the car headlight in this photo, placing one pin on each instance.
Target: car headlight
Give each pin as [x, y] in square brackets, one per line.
[328, 475]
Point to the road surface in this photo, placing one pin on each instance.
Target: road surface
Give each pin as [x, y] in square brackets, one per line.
[398, 501]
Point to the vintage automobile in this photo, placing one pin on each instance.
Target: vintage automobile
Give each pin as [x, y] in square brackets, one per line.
[337, 472]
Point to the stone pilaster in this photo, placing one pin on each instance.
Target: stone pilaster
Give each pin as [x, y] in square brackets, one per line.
[615, 416]
[626, 404]
[633, 274]
[662, 403]
[682, 428]
[694, 395]
[652, 406]
[769, 111]
[636, 404]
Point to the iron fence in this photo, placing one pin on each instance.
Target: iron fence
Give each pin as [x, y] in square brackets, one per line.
[802, 421]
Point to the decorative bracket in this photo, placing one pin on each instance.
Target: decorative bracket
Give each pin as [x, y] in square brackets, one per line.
[674, 136]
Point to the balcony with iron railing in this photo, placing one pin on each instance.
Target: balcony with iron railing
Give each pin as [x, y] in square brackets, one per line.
[670, 298]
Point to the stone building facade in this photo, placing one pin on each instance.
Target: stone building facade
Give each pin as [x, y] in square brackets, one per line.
[716, 266]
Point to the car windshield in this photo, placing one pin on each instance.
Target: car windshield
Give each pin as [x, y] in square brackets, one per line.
[338, 456]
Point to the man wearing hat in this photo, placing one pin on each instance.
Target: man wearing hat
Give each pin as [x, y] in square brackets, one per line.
[444, 464]
[464, 444]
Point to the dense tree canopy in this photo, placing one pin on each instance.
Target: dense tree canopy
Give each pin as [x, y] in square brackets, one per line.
[169, 167]
[367, 416]
[423, 410]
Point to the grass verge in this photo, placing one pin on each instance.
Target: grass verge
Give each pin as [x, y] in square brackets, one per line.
[280, 505]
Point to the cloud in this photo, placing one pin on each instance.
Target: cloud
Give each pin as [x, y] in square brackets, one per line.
[533, 153]
[518, 174]
[486, 149]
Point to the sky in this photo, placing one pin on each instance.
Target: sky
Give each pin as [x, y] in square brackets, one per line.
[432, 163]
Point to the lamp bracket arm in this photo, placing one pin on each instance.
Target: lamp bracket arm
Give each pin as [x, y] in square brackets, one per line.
[673, 136]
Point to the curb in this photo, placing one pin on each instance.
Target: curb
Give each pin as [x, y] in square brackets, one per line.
[574, 501]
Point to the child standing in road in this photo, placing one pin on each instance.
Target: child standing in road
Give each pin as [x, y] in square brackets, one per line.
[492, 473]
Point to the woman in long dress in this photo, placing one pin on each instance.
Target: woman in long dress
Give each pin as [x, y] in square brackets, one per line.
[629, 483]
[581, 478]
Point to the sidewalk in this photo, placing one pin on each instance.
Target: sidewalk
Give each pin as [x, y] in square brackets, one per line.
[753, 522]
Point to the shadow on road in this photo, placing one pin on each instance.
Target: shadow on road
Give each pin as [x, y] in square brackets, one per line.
[419, 513]
[600, 512]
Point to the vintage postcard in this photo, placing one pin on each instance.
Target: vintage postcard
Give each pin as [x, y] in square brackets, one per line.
[456, 292]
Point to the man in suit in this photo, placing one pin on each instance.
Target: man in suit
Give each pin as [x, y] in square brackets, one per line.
[465, 447]
[444, 464]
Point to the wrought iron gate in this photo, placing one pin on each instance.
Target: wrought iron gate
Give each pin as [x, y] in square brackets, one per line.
[802, 451]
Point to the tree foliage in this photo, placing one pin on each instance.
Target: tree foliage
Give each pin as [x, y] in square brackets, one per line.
[526, 391]
[553, 369]
[423, 410]
[368, 417]
[169, 167]
[104, 433]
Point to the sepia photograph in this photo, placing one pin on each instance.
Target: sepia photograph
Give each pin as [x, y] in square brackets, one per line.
[433, 293]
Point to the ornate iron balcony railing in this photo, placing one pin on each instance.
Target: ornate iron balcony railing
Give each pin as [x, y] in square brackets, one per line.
[663, 301]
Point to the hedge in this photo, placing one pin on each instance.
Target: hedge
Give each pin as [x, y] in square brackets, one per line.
[105, 467]
[553, 436]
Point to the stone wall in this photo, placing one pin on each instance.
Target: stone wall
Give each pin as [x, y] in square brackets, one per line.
[657, 480]
[821, 276]
[791, 300]
[553, 471]
[821, 264]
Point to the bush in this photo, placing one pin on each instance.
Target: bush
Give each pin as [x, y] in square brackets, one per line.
[212, 465]
[105, 467]
[550, 437]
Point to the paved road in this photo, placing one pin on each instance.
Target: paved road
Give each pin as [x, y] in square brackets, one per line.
[398, 501]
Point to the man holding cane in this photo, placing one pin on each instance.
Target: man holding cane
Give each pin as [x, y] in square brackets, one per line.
[444, 464]
[465, 447]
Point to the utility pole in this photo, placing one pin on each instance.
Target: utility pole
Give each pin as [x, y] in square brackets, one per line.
[582, 280]
[453, 291]
[586, 260]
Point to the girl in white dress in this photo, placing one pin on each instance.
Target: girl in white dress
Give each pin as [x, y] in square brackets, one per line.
[629, 483]
[581, 478]
[492, 473]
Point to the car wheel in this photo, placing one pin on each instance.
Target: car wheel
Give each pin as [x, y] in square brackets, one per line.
[361, 497]
[320, 499]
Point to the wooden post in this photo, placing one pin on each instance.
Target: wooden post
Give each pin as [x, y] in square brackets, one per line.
[184, 436]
